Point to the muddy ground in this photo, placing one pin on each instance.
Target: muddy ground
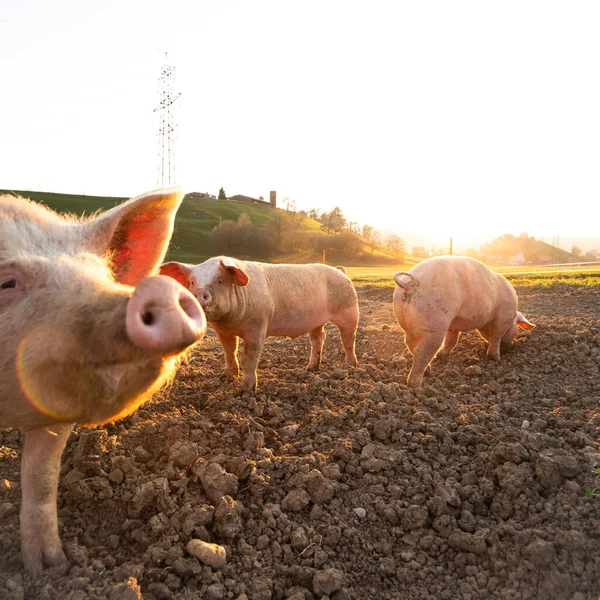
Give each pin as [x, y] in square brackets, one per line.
[343, 484]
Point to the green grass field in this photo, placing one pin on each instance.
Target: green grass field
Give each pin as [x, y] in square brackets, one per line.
[542, 276]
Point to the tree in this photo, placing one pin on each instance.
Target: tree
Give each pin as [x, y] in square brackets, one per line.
[337, 220]
[576, 250]
[298, 218]
[222, 195]
[290, 204]
[353, 227]
[375, 237]
[279, 223]
[395, 243]
[314, 213]
[291, 208]
[420, 252]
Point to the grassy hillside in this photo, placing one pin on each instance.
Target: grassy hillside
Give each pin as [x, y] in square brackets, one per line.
[71, 203]
[534, 251]
[196, 219]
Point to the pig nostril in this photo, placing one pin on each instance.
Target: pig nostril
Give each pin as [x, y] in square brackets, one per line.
[148, 318]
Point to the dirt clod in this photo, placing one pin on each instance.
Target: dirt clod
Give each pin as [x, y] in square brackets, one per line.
[212, 555]
[327, 581]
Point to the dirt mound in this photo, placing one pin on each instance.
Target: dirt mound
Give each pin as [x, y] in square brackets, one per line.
[342, 484]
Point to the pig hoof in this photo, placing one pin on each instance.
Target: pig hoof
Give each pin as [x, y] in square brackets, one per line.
[35, 559]
[248, 389]
[312, 368]
[414, 383]
[227, 376]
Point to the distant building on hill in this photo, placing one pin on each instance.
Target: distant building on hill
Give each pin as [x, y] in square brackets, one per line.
[249, 200]
[517, 259]
[201, 195]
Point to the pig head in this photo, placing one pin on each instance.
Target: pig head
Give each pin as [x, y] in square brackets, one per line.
[87, 334]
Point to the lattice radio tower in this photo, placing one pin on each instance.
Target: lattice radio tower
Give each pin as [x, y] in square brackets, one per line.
[166, 125]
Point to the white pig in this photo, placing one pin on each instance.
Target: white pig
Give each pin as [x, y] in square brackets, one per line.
[254, 300]
[442, 296]
[86, 334]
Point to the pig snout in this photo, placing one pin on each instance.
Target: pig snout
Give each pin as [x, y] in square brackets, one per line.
[162, 316]
[204, 297]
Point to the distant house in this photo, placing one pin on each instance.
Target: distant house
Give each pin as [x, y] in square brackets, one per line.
[518, 259]
[248, 199]
[201, 195]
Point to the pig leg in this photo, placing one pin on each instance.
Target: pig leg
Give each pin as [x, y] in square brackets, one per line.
[507, 338]
[423, 352]
[493, 339]
[42, 449]
[317, 337]
[347, 322]
[450, 340]
[229, 342]
[252, 350]
[493, 349]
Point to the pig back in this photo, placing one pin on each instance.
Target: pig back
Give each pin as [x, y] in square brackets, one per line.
[303, 297]
[453, 292]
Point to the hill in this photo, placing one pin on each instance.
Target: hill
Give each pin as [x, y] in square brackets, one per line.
[508, 247]
[270, 234]
[71, 203]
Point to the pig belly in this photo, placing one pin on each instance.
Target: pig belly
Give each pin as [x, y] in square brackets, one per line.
[295, 326]
[467, 320]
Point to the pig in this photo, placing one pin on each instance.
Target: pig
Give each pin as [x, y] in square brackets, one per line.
[254, 300]
[442, 296]
[88, 332]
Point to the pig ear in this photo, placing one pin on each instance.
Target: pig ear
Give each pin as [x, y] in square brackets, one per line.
[135, 233]
[228, 264]
[177, 271]
[523, 323]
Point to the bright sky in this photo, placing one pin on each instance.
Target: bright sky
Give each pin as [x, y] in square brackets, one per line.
[437, 117]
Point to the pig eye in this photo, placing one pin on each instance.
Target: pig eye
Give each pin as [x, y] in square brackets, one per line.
[8, 283]
[220, 281]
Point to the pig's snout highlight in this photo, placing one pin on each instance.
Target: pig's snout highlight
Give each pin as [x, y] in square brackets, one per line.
[162, 316]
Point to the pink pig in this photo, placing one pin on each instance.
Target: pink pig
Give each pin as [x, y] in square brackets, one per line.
[442, 296]
[254, 300]
[87, 334]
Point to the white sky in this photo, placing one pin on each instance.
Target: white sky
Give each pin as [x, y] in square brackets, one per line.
[437, 117]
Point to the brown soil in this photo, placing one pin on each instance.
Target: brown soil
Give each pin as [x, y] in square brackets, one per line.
[342, 484]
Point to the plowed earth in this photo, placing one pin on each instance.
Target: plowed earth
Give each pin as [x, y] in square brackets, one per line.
[343, 484]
